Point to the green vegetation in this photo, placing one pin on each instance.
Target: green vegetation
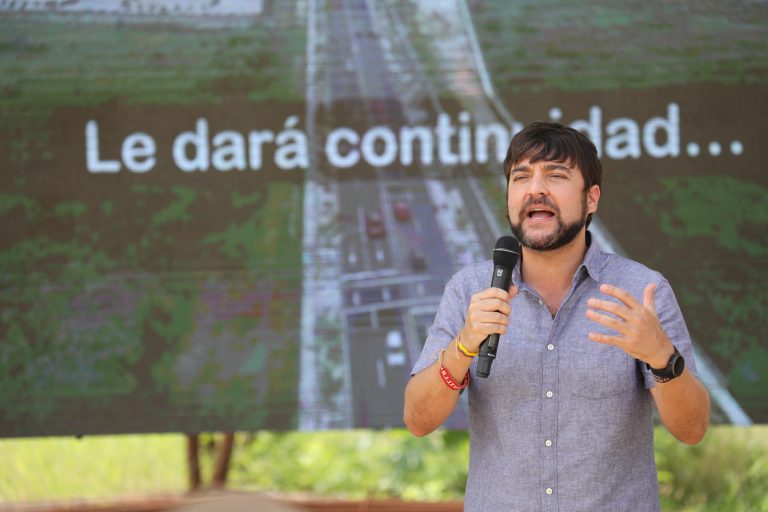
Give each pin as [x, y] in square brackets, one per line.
[128, 294]
[721, 219]
[116, 290]
[727, 471]
[48, 63]
[535, 45]
[94, 468]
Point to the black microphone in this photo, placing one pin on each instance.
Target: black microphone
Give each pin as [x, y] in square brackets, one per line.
[505, 256]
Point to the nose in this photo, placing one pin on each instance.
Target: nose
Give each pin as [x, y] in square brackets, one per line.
[537, 185]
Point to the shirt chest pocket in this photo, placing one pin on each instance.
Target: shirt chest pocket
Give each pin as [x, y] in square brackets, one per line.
[595, 370]
[516, 371]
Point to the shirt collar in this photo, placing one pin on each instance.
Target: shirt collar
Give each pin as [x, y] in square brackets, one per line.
[592, 259]
[590, 266]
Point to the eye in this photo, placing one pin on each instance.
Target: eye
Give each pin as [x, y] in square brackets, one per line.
[559, 176]
[517, 178]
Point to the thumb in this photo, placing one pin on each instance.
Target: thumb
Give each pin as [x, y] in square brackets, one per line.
[648, 300]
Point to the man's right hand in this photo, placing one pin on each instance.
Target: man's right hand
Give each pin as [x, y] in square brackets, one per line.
[488, 313]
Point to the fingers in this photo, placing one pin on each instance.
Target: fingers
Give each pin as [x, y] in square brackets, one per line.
[611, 307]
[493, 299]
[606, 339]
[635, 324]
[620, 294]
[488, 313]
[495, 318]
[495, 293]
[486, 329]
[608, 321]
[648, 299]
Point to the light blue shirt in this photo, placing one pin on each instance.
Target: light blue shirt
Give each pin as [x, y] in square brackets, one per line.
[562, 423]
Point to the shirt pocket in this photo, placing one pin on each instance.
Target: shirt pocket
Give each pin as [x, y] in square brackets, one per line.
[516, 371]
[596, 370]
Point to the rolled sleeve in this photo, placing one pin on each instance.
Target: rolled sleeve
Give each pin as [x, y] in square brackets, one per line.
[449, 320]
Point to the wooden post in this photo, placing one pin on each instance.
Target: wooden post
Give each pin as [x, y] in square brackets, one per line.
[193, 462]
[222, 461]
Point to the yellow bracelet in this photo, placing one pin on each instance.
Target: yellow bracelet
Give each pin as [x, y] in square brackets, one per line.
[464, 350]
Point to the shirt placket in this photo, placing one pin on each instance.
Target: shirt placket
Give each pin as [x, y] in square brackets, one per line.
[550, 399]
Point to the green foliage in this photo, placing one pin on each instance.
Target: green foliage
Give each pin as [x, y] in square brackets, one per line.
[356, 464]
[178, 209]
[88, 61]
[728, 471]
[604, 45]
[722, 207]
[723, 220]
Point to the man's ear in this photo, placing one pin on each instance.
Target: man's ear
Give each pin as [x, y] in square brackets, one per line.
[593, 197]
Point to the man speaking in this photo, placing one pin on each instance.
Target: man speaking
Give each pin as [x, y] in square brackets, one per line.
[588, 341]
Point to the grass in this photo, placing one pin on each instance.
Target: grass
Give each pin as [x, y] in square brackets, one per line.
[99, 467]
[727, 471]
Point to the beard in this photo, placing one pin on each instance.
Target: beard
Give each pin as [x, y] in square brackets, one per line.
[563, 235]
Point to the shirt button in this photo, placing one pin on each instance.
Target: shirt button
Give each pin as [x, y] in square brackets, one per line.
[550, 394]
[548, 442]
[550, 347]
[548, 490]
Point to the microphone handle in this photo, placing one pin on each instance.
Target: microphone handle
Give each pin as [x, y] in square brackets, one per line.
[502, 277]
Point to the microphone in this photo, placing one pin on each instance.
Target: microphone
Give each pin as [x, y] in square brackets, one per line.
[505, 256]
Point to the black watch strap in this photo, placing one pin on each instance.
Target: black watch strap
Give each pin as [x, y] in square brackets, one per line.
[674, 368]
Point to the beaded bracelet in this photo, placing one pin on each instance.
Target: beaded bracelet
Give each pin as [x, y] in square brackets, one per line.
[448, 378]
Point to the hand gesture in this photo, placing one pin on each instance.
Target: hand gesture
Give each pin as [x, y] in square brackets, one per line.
[639, 331]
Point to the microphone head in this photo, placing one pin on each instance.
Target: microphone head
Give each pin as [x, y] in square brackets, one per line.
[506, 252]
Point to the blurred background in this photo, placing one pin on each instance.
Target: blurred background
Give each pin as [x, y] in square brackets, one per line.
[231, 216]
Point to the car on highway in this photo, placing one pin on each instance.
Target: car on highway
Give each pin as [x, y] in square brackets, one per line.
[394, 340]
[396, 359]
[417, 260]
[402, 211]
[395, 353]
[374, 225]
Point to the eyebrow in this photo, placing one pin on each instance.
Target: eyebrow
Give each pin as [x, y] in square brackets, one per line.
[548, 167]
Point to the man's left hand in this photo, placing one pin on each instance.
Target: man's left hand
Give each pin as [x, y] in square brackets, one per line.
[639, 332]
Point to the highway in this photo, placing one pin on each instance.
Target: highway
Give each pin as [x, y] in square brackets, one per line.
[393, 259]
[396, 235]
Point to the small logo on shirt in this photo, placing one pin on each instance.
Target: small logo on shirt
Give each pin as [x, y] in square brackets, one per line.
[499, 272]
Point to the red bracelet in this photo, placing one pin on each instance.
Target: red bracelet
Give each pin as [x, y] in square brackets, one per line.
[448, 378]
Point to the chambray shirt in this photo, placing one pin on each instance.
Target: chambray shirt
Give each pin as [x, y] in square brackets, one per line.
[562, 423]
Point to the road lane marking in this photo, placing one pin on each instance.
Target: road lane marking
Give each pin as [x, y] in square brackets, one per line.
[380, 374]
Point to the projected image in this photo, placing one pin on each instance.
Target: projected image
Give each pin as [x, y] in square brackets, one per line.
[242, 215]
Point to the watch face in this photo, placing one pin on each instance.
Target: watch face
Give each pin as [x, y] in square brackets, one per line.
[678, 366]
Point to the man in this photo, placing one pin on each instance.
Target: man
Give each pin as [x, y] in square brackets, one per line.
[564, 421]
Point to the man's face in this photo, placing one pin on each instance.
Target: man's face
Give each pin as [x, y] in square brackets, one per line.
[547, 203]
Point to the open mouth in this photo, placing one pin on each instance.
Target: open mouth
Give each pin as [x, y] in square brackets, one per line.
[540, 214]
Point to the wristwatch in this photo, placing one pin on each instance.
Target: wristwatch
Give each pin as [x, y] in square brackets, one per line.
[674, 368]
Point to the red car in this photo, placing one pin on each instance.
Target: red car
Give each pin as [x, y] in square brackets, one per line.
[402, 211]
[374, 225]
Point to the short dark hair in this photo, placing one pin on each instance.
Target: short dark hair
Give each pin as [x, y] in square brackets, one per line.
[556, 143]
